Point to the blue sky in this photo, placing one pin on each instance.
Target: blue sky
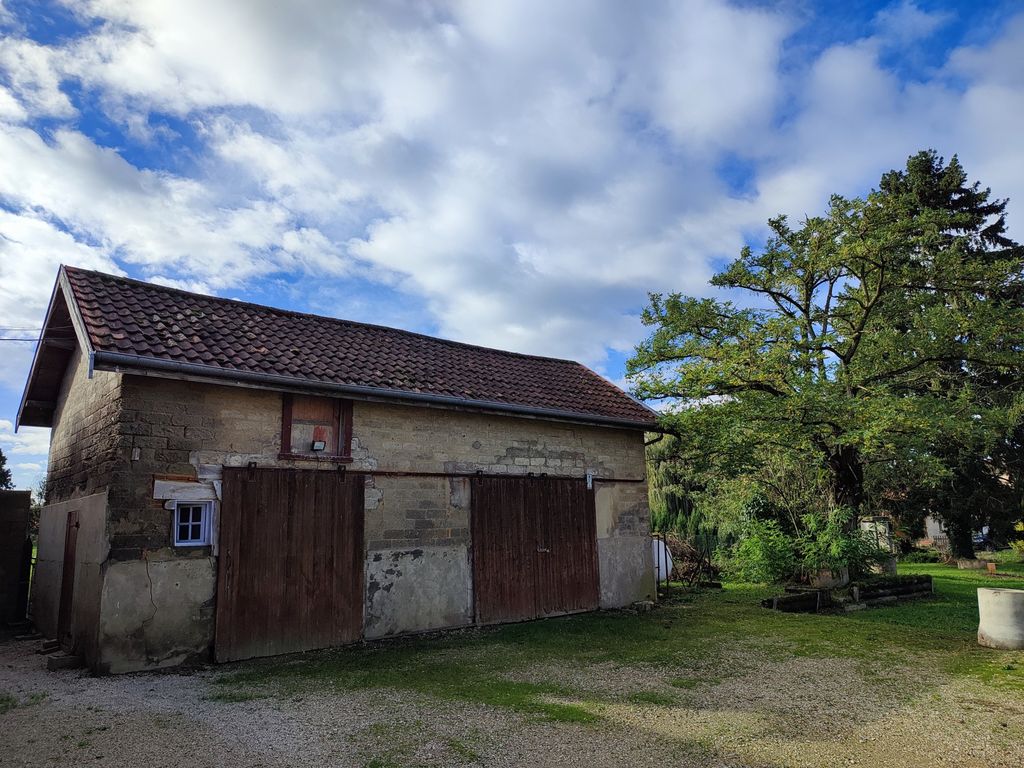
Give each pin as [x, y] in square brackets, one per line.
[516, 174]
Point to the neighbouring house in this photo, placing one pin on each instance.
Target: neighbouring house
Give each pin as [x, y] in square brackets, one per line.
[229, 480]
[934, 535]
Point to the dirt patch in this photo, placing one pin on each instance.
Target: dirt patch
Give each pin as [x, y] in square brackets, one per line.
[833, 712]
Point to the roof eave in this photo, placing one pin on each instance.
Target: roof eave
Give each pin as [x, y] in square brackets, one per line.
[62, 285]
[126, 363]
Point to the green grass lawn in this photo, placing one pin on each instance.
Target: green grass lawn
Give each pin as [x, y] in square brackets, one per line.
[689, 631]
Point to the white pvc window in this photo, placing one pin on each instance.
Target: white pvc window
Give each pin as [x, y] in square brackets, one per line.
[192, 523]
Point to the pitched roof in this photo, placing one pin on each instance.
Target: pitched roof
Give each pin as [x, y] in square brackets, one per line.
[131, 324]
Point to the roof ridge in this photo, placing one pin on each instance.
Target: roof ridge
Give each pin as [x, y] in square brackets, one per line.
[339, 320]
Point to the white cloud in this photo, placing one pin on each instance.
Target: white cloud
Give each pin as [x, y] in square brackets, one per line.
[31, 441]
[708, 72]
[34, 73]
[29, 466]
[904, 22]
[527, 170]
[10, 109]
[31, 250]
[152, 219]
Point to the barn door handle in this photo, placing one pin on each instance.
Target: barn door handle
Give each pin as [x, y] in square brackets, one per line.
[543, 549]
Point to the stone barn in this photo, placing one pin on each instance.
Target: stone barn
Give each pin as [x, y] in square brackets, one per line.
[229, 480]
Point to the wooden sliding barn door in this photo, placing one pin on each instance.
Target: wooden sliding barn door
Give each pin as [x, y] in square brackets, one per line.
[534, 548]
[290, 566]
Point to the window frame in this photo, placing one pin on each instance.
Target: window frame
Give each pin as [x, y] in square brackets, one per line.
[206, 523]
[342, 452]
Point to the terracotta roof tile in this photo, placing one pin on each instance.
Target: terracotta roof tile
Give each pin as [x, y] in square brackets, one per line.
[165, 324]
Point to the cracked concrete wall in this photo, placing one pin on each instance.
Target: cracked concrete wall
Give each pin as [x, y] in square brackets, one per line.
[418, 589]
[625, 562]
[157, 612]
[91, 548]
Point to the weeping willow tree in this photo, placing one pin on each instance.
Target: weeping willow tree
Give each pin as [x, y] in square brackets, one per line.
[673, 491]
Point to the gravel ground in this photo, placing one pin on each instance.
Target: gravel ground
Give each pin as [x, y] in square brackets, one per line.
[745, 710]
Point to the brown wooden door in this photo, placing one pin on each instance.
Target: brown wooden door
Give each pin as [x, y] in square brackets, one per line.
[504, 551]
[534, 548]
[290, 570]
[65, 612]
[567, 577]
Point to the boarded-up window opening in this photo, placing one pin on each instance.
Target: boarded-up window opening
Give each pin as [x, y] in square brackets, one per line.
[316, 427]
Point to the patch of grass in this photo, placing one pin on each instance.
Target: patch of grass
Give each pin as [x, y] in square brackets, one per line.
[9, 702]
[695, 629]
[684, 682]
[235, 695]
[653, 698]
[394, 744]
[462, 750]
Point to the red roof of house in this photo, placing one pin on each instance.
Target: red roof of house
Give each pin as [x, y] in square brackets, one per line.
[132, 324]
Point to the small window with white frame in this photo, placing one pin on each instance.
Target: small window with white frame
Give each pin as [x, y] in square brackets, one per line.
[192, 523]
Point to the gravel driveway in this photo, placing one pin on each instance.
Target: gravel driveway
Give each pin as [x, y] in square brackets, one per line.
[769, 711]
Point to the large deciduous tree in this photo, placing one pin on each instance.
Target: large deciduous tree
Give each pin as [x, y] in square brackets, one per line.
[887, 333]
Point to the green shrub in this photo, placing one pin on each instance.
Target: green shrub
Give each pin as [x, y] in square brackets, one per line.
[764, 553]
[921, 556]
[828, 543]
[1018, 548]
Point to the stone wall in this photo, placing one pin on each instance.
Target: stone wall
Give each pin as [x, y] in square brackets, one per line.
[418, 565]
[84, 443]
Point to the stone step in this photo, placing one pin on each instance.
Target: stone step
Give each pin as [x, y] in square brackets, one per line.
[63, 661]
[29, 636]
[48, 646]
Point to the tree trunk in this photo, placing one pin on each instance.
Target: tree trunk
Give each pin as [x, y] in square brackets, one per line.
[961, 538]
[847, 479]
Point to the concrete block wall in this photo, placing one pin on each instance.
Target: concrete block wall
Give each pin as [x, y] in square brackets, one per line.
[14, 513]
[418, 564]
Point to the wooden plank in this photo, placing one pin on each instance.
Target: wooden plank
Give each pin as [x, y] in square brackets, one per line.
[315, 410]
